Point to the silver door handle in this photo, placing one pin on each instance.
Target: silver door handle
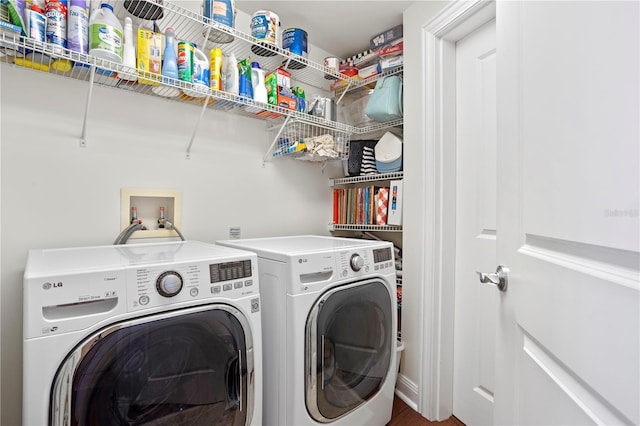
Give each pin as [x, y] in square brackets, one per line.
[500, 279]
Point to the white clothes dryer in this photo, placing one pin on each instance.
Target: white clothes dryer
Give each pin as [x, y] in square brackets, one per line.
[161, 333]
[329, 321]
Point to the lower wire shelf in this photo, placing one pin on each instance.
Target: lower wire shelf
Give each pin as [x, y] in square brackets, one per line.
[304, 140]
[351, 227]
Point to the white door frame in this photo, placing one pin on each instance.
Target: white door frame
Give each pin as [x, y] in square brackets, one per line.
[439, 169]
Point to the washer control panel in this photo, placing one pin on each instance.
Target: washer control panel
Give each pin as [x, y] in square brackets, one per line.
[157, 285]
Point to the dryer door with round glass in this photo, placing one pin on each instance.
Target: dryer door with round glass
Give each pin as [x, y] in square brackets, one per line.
[191, 366]
[349, 339]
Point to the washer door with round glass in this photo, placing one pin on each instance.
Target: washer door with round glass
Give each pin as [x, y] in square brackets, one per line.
[187, 367]
[349, 339]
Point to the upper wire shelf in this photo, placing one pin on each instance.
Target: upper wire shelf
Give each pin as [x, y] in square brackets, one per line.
[208, 34]
[189, 26]
[354, 86]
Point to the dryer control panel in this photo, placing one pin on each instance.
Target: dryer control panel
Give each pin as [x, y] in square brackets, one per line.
[69, 289]
[315, 270]
[157, 285]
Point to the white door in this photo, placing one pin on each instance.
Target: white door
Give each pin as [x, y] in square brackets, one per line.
[567, 213]
[475, 305]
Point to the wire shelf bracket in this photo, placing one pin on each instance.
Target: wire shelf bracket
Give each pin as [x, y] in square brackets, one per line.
[275, 140]
[83, 135]
[197, 125]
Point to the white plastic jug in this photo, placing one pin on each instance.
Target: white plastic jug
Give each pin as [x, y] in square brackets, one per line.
[200, 75]
[105, 34]
[201, 68]
[259, 89]
[230, 74]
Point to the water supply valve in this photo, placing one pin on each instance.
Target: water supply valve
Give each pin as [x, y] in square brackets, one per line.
[134, 215]
[161, 219]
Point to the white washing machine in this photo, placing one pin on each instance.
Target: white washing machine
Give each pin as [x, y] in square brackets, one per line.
[162, 334]
[329, 323]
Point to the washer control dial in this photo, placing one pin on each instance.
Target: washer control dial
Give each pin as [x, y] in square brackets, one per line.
[169, 283]
[357, 262]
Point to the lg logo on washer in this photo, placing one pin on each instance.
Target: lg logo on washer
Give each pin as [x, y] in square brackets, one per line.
[302, 260]
[47, 286]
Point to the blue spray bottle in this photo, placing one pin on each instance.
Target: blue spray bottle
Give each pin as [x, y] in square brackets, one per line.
[169, 66]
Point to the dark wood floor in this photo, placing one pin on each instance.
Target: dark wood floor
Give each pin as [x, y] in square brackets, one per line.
[403, 415]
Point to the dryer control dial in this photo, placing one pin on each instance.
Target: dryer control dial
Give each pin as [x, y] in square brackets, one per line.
[357, 262]
[169, 283]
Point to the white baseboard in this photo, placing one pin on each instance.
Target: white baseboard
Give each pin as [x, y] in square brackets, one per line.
[407, 391]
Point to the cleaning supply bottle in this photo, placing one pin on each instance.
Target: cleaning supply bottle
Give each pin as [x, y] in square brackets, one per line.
[201, 73]
[36, 28]
[105, 34]
[78, 26]
[230, 74]
[257, 81]
[245, 88]
[36, 22]
[215, 66]
[56, 12]
[128, 53]
[169, 66]
[169, 60]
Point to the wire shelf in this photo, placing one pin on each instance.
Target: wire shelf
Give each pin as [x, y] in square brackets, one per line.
[194, 27]
[379, 126]
[366, 178]
[377, 228]
[353, 85]
[306, 140]
[191, 26]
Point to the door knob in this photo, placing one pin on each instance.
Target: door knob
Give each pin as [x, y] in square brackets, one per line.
[500, 279]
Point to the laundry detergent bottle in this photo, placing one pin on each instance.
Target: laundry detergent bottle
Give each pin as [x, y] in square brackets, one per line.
[257, 81]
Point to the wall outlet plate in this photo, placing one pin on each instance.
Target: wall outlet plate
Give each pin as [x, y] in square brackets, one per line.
[234, 233]
[148, 202]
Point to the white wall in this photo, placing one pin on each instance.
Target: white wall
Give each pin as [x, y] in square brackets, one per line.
[56, 194]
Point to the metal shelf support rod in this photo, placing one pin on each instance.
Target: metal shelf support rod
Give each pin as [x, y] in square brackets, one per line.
[206, 37]
[195, 128]
[344, 92]
[83, 136]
